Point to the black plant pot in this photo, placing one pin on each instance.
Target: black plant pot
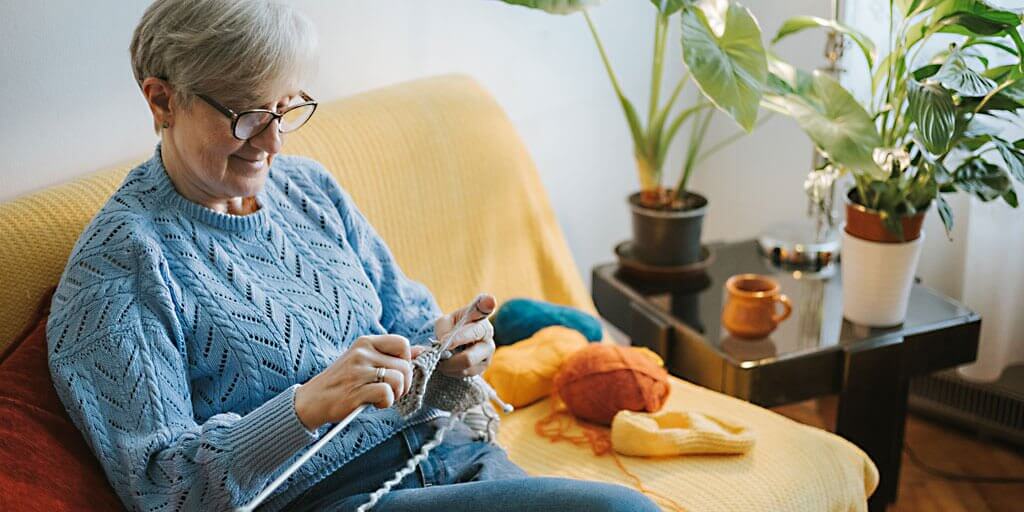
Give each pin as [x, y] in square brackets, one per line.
[668, 237]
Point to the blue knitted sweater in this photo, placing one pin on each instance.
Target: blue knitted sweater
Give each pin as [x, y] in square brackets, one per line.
[178, 335]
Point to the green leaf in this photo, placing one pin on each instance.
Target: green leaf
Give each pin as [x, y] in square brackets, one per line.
[833, 119]
[1011, 198]
[906, 6]
[955, 74]
[1000, 73]
[993, 42]
[979, 8]
[786, 79]
[972, 25]
[1014, 91]
[998, 101]
[801, 23]
[945, 213]
[983, 179]
[942, 175]
[730, 69]
[1013, 158]
[927, 71]
[982, 125]
[966, 17]
[974, 143]
[931, 108]
[668, 7]
[555, 6]
[909, 7]
[920, 191]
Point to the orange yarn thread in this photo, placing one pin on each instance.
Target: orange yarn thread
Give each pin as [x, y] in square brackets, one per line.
[558, 425]
[593, 385]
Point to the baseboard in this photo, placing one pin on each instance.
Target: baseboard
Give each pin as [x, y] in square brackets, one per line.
[993, 410]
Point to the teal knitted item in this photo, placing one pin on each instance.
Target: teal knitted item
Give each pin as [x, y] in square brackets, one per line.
[179, 334]
[518, 319]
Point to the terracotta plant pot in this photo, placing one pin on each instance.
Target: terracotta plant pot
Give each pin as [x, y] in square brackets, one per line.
[668, 237]
[867, 224]
[877, 267]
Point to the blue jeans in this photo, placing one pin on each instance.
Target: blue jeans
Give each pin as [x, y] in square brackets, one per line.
[459, 475]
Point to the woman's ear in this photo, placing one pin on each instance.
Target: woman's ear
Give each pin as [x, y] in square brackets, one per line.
[160, 96]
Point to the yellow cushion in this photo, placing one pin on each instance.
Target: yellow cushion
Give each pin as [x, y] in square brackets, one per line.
[670, 432]
[523, 372]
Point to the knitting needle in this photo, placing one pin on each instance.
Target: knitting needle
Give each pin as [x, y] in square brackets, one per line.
[249, 507]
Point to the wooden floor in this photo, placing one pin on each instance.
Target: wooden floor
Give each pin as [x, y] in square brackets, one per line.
[945, 448]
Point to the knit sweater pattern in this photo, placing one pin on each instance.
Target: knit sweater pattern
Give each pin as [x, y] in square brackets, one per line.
[179, 334]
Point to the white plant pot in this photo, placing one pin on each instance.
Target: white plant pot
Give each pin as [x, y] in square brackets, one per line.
[877, 278]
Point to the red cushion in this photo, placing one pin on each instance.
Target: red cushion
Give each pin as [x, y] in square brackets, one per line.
[46, 463]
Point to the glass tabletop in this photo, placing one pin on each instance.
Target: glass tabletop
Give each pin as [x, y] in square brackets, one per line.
[816, 323]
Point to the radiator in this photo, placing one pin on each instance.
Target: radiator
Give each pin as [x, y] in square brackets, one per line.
[993, 410]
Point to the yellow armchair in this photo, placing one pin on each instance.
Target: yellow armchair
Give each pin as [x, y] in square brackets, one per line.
[439, 170]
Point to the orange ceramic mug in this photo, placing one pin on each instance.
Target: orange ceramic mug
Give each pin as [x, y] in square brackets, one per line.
[749, 310]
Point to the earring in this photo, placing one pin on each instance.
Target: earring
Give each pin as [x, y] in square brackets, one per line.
[165, 125]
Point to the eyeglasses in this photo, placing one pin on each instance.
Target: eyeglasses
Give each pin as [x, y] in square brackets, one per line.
[250, 123]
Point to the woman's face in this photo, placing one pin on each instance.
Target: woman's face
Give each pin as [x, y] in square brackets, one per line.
[208, 164]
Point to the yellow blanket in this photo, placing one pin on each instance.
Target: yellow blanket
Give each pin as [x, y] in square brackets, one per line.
[791, 467]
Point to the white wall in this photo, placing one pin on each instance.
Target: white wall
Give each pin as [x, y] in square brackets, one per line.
[72, 106]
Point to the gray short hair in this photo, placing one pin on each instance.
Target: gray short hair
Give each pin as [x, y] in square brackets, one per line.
[237, 51]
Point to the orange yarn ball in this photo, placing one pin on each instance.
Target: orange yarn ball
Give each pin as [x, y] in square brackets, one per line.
[602, 379]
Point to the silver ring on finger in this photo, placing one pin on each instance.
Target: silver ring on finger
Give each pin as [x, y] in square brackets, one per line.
[380, 374]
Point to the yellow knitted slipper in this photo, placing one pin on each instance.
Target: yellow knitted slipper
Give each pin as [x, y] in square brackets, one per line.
[670, 432]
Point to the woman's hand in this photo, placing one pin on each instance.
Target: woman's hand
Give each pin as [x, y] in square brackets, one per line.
[352, 380]
[473, 345]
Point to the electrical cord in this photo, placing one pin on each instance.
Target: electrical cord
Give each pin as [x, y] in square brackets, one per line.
[959, 477]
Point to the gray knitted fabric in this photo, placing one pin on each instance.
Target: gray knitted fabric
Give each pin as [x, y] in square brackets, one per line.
[439, 390]
[468, 399]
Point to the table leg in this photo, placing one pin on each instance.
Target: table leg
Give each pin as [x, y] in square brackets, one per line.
[872, 412]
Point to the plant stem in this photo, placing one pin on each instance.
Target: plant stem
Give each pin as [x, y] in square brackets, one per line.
[677, 90]
[898, 99]
[887, 97]
[722, 144]
[657, 138]
[697, 133]
[604, 56]
[660, 29]
[1012, 32]
[861, 191]
[635, 127]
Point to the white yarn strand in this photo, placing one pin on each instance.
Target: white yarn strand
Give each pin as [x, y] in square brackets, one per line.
[410, 466]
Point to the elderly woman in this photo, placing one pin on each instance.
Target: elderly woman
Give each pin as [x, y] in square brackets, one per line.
[229, 304]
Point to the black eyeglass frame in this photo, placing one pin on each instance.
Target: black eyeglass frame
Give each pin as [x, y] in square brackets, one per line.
[235, 116]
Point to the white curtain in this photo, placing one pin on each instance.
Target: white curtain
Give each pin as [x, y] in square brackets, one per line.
[994, 285]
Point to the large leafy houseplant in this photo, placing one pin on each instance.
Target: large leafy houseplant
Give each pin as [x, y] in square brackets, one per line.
[934, 115]
[953, 74]
[725, 58]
